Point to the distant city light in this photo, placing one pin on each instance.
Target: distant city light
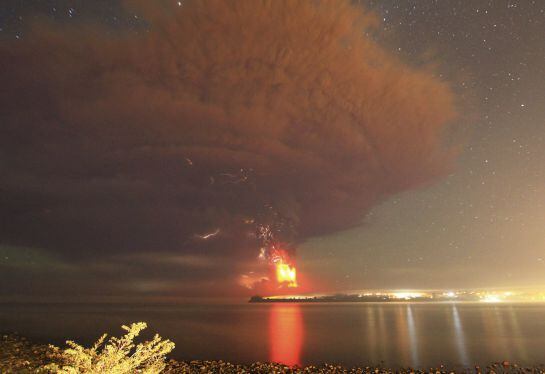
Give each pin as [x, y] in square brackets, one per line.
[491, 299]
[407, 295]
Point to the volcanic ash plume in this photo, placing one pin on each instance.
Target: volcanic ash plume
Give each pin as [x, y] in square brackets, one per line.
[211, 118]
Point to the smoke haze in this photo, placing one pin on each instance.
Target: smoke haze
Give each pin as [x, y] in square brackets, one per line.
[180, 136]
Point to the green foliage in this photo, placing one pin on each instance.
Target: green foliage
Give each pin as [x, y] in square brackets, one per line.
[118, 356]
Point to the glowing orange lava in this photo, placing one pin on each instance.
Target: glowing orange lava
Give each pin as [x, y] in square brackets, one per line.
[286, 274]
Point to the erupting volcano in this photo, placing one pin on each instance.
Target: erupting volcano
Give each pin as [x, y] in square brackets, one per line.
[286, 275]
[279, 259]
[195, 144]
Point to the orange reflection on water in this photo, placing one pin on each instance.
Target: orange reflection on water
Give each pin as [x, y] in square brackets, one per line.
[285, 334]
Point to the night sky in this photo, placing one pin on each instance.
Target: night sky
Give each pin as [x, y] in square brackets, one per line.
[482, 226]
[384, 144]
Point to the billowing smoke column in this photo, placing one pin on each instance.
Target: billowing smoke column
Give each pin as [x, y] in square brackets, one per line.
[210, 121]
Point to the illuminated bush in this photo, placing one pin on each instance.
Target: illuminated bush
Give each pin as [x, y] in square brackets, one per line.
[117, 356]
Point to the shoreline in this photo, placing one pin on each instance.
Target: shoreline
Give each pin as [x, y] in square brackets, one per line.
[268, 367]
[19, 355]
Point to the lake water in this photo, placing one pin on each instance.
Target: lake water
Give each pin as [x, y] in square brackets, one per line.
[399, 334]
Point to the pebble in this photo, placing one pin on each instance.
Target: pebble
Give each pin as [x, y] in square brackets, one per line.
[17, 355]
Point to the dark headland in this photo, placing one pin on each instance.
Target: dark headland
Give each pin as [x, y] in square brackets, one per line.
[358, 298]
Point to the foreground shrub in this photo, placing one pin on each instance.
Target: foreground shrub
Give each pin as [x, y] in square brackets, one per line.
[118, 356]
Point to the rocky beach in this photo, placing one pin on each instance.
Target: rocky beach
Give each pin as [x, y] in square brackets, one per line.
[19, 355]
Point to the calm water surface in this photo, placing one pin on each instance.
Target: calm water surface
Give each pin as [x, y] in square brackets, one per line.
[399, 334]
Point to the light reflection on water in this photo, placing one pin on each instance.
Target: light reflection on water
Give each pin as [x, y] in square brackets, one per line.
[412, 337]
[402, 333]
[459, 337]
[397, 334]
[518, 338]
[285, 334]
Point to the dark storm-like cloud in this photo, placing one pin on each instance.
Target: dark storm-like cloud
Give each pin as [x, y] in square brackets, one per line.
[214, 116]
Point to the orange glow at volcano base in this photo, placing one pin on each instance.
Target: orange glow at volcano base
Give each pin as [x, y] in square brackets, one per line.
[277, 276]
[286, 274]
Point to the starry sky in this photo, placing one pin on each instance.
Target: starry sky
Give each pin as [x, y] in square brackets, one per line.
[482, 226]
[465, 214]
